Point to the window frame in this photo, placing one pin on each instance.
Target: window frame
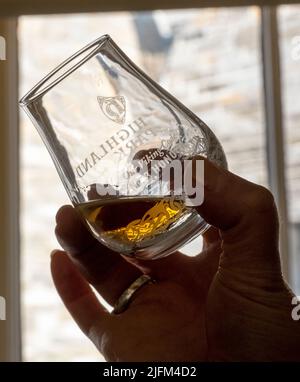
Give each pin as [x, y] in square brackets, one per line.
[29, 7]
[10, 330]
[274, 133]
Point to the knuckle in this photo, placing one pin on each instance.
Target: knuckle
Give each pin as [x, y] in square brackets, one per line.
[104, 344]
[102, 340]
[58, 231]
[260, 200]
[59, 234]
[62, 211]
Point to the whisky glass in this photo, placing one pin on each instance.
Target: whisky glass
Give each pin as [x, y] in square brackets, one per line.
[98, 115]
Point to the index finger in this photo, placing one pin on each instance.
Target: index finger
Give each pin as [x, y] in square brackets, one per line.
[246, 215]
[106, 270]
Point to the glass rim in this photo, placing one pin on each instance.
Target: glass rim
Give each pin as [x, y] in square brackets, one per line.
[39, 90]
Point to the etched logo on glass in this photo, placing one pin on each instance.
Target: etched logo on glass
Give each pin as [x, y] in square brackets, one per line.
[113, 108]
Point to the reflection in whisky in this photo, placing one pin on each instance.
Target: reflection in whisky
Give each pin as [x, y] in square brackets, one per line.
[128, 222]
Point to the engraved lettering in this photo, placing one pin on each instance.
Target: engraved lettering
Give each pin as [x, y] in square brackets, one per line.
[95, 158]
[79, 171]
[112, 142]
[118, 143]
[86, 165]
[104, 151]
[123, 134]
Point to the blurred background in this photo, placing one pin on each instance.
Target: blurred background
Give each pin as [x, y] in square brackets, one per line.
[211, 59]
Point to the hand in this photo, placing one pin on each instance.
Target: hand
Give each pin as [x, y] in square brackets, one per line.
[230, 303]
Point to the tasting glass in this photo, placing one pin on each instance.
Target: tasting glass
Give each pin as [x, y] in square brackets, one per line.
[98, 113]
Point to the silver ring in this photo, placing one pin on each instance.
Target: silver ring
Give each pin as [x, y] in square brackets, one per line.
[126, 296]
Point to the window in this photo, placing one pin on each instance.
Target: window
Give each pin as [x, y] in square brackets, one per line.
[208, 58]
[290, 61]
[213, 69]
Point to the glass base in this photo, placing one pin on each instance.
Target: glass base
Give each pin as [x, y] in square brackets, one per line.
[172, 240]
